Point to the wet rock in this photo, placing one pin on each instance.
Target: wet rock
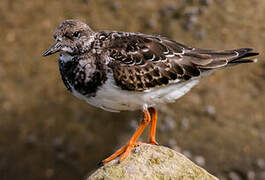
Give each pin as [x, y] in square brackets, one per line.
[151, 23]
[210, 110]
[58, 143]
[262, 136]
[172, 6]
[222, 176]
[200, 160]
[188, 26]
[173, 145]
[191, 12]
[152, 162]
[206, 2]
[176, 148]
[251, 175]
[60, 156]
[72, 151]
[185, 122]
[31, 140]
[200, 34]
[201, 11]
[187, 154]
[167, 124]
[133, 125]
[114, 6]
[193, 20]
[260, 163]
[234, 176]
[169, 10]
[261, 175]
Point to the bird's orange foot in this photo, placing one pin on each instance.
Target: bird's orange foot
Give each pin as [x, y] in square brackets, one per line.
[123, 152]
[150, 142]
[153, 142]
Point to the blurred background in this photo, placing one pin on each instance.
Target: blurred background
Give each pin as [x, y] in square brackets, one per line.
[46, 133]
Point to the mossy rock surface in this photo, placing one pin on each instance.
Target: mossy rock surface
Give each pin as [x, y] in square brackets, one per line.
[152, 162]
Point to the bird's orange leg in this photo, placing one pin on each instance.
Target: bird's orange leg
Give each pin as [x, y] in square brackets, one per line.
[152, 134]
[125, 150]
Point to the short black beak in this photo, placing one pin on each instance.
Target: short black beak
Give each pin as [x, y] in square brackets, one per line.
[53, 49]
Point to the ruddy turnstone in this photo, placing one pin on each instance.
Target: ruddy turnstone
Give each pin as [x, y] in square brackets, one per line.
[119, 71]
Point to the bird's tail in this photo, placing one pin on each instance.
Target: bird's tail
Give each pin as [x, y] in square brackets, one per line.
[224, 58]
[243, 56]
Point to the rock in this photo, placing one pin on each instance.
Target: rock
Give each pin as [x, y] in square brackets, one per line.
[200, 160]
[58, 143]
[234, 176]
[210, 110]
[115, 6]
[251, 175]
[185, 122]
[199, 35]
[261, 163]
[187, 154]
[206, 2]
[152, 162]
[167, 124]
[31, 140]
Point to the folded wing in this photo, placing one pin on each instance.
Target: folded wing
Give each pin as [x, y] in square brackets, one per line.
[141, 62]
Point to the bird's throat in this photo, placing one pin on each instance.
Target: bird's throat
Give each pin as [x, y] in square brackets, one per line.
[65, 57]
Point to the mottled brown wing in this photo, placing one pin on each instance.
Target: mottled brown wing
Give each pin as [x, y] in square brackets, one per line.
[141, 62]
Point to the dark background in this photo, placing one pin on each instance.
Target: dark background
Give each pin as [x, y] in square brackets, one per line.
[46, 133]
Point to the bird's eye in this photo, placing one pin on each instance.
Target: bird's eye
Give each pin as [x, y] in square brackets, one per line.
[76, 34]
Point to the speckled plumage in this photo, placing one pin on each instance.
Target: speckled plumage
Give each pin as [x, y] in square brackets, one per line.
[128, 71]
[119, 71]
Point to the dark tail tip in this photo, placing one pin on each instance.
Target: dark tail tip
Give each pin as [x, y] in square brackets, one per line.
[244, 53]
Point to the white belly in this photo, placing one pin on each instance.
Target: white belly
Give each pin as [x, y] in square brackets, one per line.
[112, 98]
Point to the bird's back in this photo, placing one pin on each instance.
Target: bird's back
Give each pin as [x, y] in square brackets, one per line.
[150, 70]
[142, 62]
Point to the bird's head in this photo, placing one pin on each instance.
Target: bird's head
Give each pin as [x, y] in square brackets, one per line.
[72, 37]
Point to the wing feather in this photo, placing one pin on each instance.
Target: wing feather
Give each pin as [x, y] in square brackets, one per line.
[140, 62]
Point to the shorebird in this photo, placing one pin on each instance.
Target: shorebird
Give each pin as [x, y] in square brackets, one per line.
[119, 71]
